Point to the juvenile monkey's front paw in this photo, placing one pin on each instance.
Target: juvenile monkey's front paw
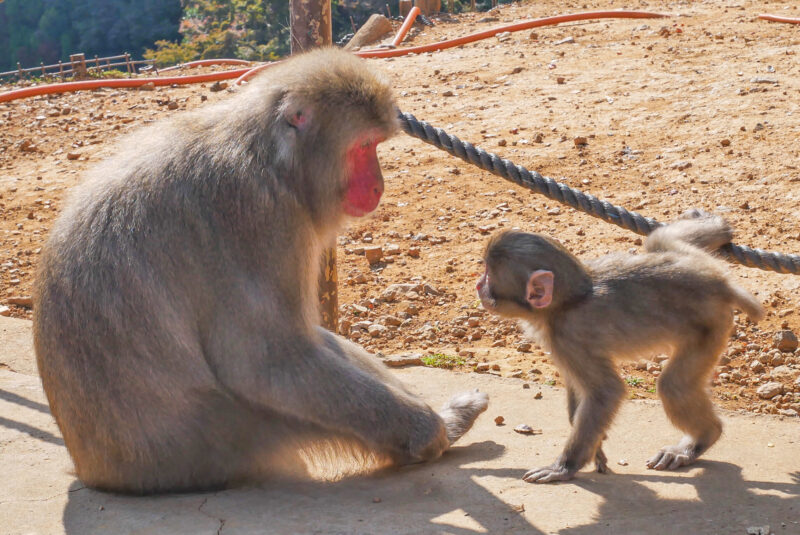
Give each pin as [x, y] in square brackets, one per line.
[461, 411]
[671, 458]
[548, 474]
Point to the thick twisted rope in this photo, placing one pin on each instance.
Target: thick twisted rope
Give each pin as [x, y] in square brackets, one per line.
[756, 258]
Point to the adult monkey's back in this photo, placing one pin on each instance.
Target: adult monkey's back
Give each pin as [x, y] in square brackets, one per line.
[176, 300]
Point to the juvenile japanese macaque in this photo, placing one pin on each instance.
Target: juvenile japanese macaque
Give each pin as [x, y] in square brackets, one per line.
[675, 297]
[176, 326]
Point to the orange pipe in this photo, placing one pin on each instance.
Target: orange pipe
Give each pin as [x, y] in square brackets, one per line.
[547, 21]
[126, 82]
[244, 74]
[252, 72]
[206, 63]
[776, 18]
[401, 33]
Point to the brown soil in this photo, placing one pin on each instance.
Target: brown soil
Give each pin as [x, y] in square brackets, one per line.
[700, 110]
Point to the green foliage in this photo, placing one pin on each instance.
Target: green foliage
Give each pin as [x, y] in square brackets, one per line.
[34, 31]
[440, 360]
[633, 381]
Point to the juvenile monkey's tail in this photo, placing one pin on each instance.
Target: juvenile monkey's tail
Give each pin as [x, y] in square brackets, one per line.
[745, 301]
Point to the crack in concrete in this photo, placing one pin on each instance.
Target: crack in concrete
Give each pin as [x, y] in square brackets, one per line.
[220, 520]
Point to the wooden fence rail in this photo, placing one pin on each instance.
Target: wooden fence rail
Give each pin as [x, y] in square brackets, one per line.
[80, 66]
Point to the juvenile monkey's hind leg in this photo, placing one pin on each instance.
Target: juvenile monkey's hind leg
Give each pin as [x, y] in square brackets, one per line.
[461, 411]
[600, 459]
[682, 388]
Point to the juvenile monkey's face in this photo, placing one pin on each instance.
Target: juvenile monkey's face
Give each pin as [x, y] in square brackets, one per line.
[485, 292]
[364, 178]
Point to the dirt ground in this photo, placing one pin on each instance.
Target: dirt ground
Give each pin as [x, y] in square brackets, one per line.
[698, 110]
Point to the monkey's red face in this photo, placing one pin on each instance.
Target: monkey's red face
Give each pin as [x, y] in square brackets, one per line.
[364, 178]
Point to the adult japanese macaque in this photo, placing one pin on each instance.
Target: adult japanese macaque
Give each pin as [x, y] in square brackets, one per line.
[675, 297]
[176, 327]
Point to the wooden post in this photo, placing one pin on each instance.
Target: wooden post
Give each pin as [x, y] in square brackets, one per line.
[78, 66]
[310, 28]
[60, 69]
[310, 24]
[128, 63]
[20, 72]
[41, 65]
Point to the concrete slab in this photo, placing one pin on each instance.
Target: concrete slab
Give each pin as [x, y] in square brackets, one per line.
[751, 478]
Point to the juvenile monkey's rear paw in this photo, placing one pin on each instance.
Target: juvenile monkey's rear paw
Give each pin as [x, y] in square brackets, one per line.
[461, 411]
[549, 474]
[671, 458]
[600, 462]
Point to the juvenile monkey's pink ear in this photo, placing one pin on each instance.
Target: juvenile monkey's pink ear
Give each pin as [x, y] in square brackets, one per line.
[539, 290]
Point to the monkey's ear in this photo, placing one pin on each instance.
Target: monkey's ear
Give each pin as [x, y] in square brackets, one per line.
[296, 113]
[539, 290]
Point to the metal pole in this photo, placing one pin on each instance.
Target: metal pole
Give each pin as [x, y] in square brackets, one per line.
[310, 28]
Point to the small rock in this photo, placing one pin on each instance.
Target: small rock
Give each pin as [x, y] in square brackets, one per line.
[763, 81]
[26, 145]
[653, 367]
[725, 142]
[392, 321]
[374, 254]
[759, 530]
[526, 386]
[524, 347]
[218, 86]
[397, 361]
[788, 412]
[580, 141]
[24, 301]
[680, 166]
[376, 500]
[482, 367]
[622, 462]
[376, 331]
[149, 86]
[413, 252]
[487, 19]
[560, 80]
[538, 395]
[554, 211]
[756, 367]
[769, 390]
[785, 341]
[499, 420]
[73, 155]
[525, 429]
[5, 311]
[566, 41]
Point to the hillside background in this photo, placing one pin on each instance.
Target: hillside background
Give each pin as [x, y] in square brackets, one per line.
[170, 31]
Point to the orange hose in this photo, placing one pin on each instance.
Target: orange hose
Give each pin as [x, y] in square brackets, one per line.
[244, 74]
[776, 18]
[401, 33]
[125, 82]
[519, 26]
[207, 63]
[252, 72]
